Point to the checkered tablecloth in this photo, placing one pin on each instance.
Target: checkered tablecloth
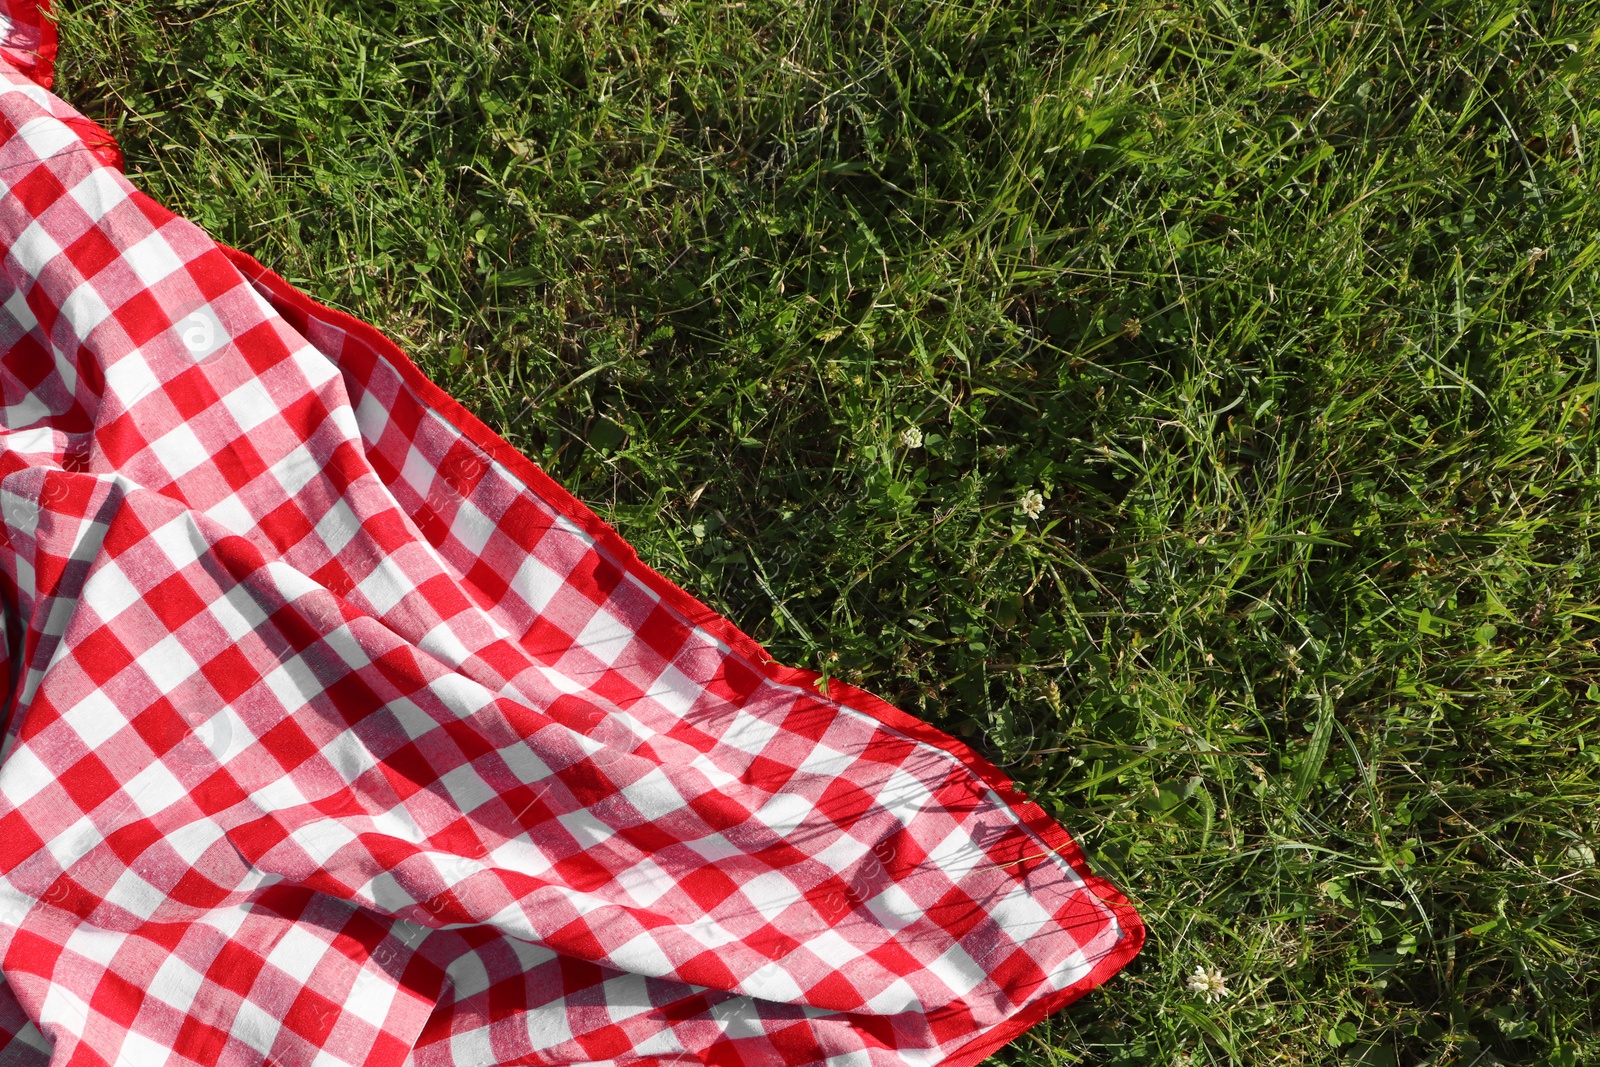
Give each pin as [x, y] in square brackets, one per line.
[338, 734]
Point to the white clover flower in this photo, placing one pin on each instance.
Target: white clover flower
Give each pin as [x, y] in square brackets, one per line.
[911, 437]
[1032, 504]
[1209, 983]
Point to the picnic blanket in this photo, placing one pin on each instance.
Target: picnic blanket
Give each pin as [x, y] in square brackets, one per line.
[337, 733]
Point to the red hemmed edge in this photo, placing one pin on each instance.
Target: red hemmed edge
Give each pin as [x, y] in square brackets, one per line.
[30, 46]
[1030, 814]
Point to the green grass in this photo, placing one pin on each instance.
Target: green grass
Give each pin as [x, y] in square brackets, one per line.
[1287, 311]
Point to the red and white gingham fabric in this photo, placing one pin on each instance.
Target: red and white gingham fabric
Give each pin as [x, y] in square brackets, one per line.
[338, 734]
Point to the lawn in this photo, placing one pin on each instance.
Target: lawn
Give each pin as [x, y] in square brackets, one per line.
[1286, 313]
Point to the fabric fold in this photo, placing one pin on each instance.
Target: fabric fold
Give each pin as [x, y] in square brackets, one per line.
[337, 732]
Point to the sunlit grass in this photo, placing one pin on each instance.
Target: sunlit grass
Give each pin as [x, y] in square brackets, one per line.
[1284, 315]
